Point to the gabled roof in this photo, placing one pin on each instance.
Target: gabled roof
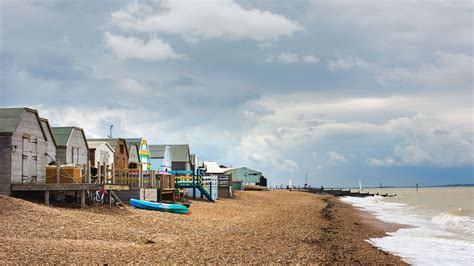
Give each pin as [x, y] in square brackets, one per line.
[137, 141]
[157, 151]
[112, 142]
[95, 144]
[63, 134]
[10, 119]
[213, 168]
[46, 127]
[179, 152]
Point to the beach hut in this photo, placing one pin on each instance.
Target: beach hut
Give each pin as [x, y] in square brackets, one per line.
[160, 158]
[143, 152]
[51, 151]
[133, 155]
[121, 151]
[243, 176]
[71, 144]
[23, 145]
[100, 153]
[180, 157]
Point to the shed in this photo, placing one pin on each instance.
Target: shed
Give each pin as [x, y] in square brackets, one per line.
[244, 175]
[51, 151]
[144, 152]
[121, 151]
[160, 158]
[71, 144]
[23, 145]
[100, 153]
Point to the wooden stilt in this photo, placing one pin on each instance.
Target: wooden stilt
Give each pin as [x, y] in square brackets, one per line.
[58, 174]
[88, 172]
[83, 198]
[46, 197]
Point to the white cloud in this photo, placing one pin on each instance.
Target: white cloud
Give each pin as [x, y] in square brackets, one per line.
[442, 138]
[205, 20]
[335, 158]
[291, 58]
[130, 47]
[346, 62]
[449, 69]
[382, 162]
[133, 86]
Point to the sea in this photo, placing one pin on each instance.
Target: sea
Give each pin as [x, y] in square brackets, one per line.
[439, 223]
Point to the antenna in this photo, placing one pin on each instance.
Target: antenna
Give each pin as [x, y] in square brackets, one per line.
[110, 129]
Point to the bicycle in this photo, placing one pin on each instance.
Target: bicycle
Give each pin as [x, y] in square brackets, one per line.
[98, 198]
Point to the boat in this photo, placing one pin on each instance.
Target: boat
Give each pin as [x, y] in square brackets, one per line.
[164, 207]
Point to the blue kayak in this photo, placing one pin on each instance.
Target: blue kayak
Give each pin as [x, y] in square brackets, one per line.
[164, 207]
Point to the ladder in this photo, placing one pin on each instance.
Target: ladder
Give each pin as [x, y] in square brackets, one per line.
[117, 201]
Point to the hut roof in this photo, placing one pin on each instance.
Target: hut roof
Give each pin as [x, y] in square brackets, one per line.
[179, 152]
[157, 151]
[213, 168]
[10, 118]
[111, 141]
[63, 134]
[93, 144]
[45, 125]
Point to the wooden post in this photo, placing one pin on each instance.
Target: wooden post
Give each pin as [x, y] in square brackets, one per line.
[83, 198]
[46, 197]
[58, 174]
[89, 180]
[99, 173]
[113, 174]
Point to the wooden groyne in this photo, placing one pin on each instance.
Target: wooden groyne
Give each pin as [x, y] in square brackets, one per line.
[345, 192]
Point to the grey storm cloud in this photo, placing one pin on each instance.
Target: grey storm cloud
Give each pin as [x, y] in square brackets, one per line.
[377, 89]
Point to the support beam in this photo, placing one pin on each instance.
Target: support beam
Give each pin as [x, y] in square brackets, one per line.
[46, 197]
[83, 198]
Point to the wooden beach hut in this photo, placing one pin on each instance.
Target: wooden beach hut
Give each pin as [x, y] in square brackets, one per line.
[23, 145]
[143, 152]
[72, 145]
[133, 155]
[121, 151]
[160, 158]
[180, 157]
[51, 151]
[100, 153]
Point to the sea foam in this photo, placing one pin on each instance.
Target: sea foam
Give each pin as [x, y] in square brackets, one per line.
[446, 238]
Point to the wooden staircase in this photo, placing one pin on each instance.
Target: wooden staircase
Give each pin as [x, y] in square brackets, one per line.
[117, 201]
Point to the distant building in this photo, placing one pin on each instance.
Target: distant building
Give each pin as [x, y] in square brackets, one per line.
[71, 145]
[243, 176]
[23, 145]
[160, 158]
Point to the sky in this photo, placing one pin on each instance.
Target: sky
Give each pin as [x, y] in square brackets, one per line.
[378, 91]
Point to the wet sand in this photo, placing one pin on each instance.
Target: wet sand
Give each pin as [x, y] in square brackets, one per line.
[255, 227]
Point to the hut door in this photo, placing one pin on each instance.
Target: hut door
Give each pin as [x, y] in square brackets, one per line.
[33, 159]
[25, 173]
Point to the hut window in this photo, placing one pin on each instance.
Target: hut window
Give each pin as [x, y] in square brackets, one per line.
[121, 148]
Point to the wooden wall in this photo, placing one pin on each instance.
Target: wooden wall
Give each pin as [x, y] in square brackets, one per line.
[121, 156]
[28, 125]
[50, 143]
[77, 142]
[103, 154]
[5, 165]
[133, 156]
